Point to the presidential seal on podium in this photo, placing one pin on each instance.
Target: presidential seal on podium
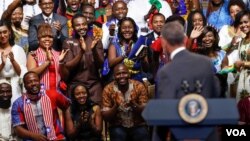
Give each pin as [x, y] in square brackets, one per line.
[193, 108]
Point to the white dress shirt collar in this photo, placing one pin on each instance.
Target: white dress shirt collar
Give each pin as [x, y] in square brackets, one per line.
[50, 16]
[155, 35]
[176, 51]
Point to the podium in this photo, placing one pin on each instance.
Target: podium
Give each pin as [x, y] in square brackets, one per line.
[164, 112]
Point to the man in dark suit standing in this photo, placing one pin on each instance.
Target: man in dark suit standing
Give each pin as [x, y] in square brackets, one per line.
[57, 22]
[186, 72]
[157, 22]
[185, 68]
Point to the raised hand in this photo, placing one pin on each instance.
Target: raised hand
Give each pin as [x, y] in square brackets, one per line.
[11, 56]
[236, 40]
[3, 57]
[48, 54]
[196, 32]
[62, 55]
[84, 117]
[151, 10]
[27, 18]
[94, 42]
[238, 64]
[57, 25]
[83, 44]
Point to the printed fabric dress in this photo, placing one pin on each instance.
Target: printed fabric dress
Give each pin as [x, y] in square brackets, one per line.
[243, 88]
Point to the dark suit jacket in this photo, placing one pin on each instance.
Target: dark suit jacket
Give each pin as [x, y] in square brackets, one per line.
[33, 27]
[153, 57]
[190, 67]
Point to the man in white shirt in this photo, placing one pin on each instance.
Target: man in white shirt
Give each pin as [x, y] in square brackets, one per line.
[5, 111]
[110, 28]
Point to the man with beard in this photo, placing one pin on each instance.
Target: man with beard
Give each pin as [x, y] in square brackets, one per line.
[110, 28]
[57, 22]
[83, 60]
[5, 111]
[34, 114]
[123, 101]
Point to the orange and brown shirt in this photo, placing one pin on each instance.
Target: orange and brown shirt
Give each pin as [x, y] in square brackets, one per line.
[125, 115]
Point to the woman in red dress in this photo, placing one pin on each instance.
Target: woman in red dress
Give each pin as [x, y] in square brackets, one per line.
[45, 60]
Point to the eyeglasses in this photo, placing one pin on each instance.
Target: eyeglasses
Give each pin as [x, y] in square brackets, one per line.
[47, 4]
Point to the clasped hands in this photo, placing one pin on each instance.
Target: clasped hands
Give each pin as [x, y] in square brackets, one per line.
[132, 104]
[4, 57]
[84, 46]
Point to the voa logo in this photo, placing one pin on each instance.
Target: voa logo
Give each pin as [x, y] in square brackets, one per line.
[236, 132]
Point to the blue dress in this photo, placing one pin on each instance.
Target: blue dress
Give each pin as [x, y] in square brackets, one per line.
[136, 69]
[220, 17]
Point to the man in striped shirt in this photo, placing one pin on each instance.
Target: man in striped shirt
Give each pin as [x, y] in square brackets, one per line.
[34, 114]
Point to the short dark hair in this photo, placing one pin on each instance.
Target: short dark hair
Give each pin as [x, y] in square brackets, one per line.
[8, 25]
[27, 73]
[157, 14]
[87, 5]
[119, 65]
[121, 1]
[173, 32]
[77, 15]
[176, 17]
[42, 0]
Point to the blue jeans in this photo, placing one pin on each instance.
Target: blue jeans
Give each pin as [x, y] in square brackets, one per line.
[138, 133]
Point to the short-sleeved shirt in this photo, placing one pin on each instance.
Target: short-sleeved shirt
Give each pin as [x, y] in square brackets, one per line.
[57, 101]
[125, 117]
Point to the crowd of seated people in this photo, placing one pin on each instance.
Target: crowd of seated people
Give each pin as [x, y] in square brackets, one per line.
[79, 69]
